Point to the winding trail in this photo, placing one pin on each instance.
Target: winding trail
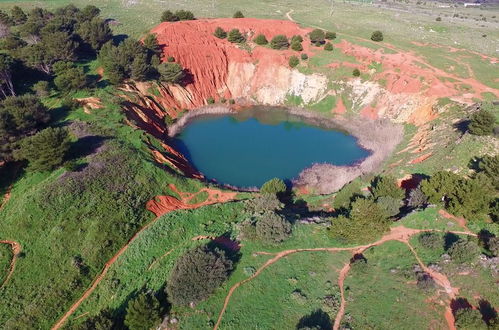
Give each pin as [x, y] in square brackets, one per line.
[399, 233]
[160, 205]
[16, 249]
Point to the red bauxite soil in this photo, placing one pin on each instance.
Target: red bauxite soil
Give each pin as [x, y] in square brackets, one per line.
[207, 58]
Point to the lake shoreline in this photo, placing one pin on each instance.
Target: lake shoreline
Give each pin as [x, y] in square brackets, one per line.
[380, 137]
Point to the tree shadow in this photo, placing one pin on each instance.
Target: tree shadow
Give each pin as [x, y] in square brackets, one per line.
[459, 303]
[462, 125]
[449, 239]
[119, 38]
[86, 146]
[318, 319]
[488, 311]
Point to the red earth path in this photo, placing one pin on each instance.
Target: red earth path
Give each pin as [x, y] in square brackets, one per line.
[16, 249]
[159, 206]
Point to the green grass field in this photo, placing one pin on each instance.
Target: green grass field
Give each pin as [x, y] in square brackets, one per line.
[5, 258]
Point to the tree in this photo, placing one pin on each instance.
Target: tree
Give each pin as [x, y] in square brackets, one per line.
[185, 15]
[238, 14]
[304, 56]
[377, 36]
[482, 123]
[273, 228]
[220, 33]
[235, 36]
[143, 312]
[440, 186]
[18, 15]
[489, 166]
[45, 150]
[470, 197]
[293, 61]
[366, 222]
[274, 186]
[140, 68]
[168, 16]
[95, 33]
[171, 72]
[295, 45]
[88, 13]
[264, 203]
[102, 321]
[150, 42]
[296, 38]
[469, 319]
[356, 72]
[197, 274]
[330, 35]
[464, 251]
[41, 88]
[260, 40]
[431, 240]
[417, 199]
[20, 116]
[6, 68]
[280, 41]
[317, 36]
[329, 47]
[347, 195]
[68, 77]
[390, 205]
[386, 186]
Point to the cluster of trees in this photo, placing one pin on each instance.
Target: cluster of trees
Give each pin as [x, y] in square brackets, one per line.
[318, 38]
[179, 15]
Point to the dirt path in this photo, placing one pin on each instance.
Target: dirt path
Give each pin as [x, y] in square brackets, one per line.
[164, 205]
[399, 233]
[16, 249]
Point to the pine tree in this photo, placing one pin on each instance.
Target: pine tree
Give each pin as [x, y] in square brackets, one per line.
[95, 33]
[140, 68]
[220, 33]
[280, 41]
[143, 312]
[238, 14]
[235, 36]
[260, 40]
[171, 72]
[482, 123]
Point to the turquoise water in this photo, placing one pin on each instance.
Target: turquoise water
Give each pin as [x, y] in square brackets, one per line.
[249, 149]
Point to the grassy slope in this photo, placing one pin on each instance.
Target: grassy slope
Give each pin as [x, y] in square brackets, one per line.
[5, 258]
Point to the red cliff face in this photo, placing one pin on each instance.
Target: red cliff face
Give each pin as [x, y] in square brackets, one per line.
[208, 59]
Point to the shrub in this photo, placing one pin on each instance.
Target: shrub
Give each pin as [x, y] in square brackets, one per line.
[304, 56]
[366, 221]
[438, 19]
[356, 72]
[272, 228]
[102, 321]
[185, 15]
[68, 77]
[223, 100]
[238, 14]
[235, 36]
[377, 36]
[232, 101]
[431, 240]
[390, 205]
[197, 274]
[293, 61]
[210, 100]
[41, 88]
[220, 33]
[171, 72]
[296, 38]
[494, 246]
[330, 35]
[317, 36]
[469, 318]
[143, 312]
[329, 47]
[386, 186]
[264, 203]
[417, 199]
[274, 186]
[280, 41]
[260, 40]
[170, 59]
[45, 150]
[464, 251]
[482, 123]
[168, 16]
[296, 46]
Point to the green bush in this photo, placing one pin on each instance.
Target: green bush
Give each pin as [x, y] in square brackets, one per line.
[304, 56]
[390, 205]
[238, 14]
[197, 274]
[235, 36]
[329, 47]
[260, 40]
[143, 312]
[272, 228]
[264, 203]
[68, 77]
[464, 251]
[171, 72]
[232, 101]
[280, 41]
[296, 38]
[438, 19]
[356, 72]
[41, 88]
[493, 246]
[386, 186]
[431, 240]
[210, 100]
[317, 36]
[296, 46]
[45, 150]
[274, 186]
[330, 35]
[377, 36]
[168, 16]
[220, 33]
[469, 319]
[170, 59]
[482, 123]
[293, 61]
[185, 15]
[347, 195]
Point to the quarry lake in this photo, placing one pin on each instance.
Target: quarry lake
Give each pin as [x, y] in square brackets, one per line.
[253, 146]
